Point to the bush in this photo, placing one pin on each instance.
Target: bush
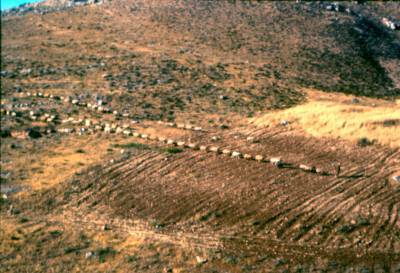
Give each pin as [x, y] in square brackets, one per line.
[135, 145]
[5, 133]
[34, 132]
[363, 142]
[104, 252]
[174, 150]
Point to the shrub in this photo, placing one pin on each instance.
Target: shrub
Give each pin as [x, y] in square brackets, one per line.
[5, 133]
[174, 150]
[135, 145]
[363, 142]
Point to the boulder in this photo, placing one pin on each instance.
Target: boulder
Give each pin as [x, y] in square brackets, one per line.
[236, 154]
[277, 161]
[247, 156]
[214, 149]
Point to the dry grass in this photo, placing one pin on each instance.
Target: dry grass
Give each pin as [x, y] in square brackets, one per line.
[334, 116]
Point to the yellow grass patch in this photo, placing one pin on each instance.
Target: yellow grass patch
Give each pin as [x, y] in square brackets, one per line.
[333, 115]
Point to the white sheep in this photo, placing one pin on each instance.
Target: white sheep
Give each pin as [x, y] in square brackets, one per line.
[259, 158]
[226, 152]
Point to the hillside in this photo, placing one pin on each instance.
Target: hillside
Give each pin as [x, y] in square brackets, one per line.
[200, 136]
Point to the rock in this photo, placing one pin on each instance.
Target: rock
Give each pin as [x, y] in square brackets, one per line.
[307, 168]
[236, 154]
[214, 149]
[170, 141]
[284, 122]
[180, 143]
[396, 178]
[277, 161]
[193, 146]
[201, 260]
[247, 156]
[203, 148]
[355, 101]
[127, 132]
[88, 254]
[106, 227]
[250, 139]
[215, 138]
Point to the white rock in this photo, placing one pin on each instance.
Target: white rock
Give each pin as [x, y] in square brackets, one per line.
[236, 154]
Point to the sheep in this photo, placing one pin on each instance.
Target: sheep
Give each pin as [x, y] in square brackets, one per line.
[197, 129]
[215, 149]
[170, 141]
[236, 154]
[180, 125]
[171, 124]
[161, 139]
[136, 134]
[259, 158]
[188, 127]
[226, 152]
[215, 138]
[144, 136]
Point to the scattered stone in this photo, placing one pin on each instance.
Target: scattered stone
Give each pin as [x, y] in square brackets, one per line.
[277, 161]
[284, 122]
[201, 260]
[247, 156]
[307, 168]
[214, 149]
[88, 254]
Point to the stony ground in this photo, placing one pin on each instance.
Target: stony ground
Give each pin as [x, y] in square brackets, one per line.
[124, 152]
